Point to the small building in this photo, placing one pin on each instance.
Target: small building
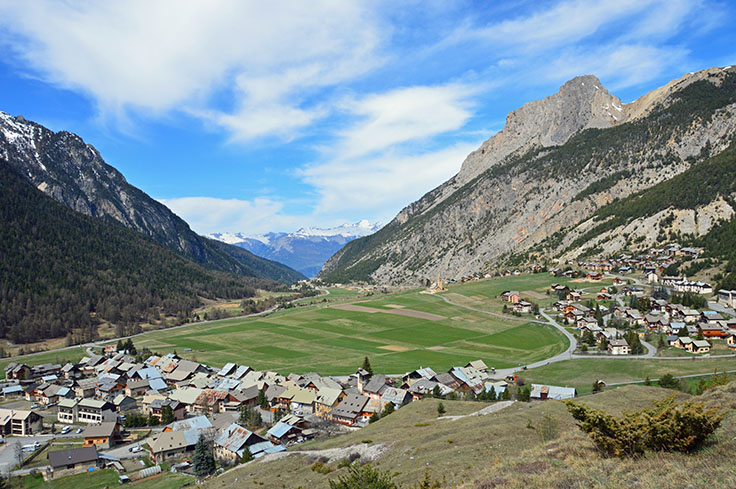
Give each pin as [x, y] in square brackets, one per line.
[18, 422]
[231, 443]
[73, 460]
[124, 403]
[93, 411]
[103, 436]
[168, 445]
[511, 296]
[67, 411]
[283, 433]
[544, 392]
[619, 347]
[350, 409]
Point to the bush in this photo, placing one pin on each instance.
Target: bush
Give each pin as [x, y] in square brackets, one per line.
[548, 429]
[364, 477]
[321, 468]
[665, 426]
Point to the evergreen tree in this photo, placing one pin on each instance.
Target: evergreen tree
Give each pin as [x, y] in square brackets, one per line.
[441, 409]
[524, 394]
[661, 345]
[245, 414]
[367, 366]
[364, 477]
[437, 392]
[387, 409]
[374, 417]
[167, 415]
[262, 401]
[247, 456]
[120, 346]
[203, 463]
[491, 396]
[506, 394]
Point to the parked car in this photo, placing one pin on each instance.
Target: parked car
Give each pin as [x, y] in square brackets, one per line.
[65, 430]
[135, 449]
[79, 430]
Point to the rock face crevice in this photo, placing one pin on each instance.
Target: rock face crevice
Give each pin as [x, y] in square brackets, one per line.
[555, 163]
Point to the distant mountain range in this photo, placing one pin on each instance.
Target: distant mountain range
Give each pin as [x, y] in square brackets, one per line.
[575, 174]
[305, 250]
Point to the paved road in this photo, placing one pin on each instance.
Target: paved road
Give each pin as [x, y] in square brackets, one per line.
[8, 458]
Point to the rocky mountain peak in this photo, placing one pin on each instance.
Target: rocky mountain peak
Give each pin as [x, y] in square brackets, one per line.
[581, 103]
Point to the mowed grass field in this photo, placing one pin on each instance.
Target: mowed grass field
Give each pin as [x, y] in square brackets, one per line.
[484, 294]
[334, 341]
[581, 373]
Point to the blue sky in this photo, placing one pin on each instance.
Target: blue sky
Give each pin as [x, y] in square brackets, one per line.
[269, 116]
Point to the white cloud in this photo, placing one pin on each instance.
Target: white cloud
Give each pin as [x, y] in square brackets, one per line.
[567, 23]
[382, 184]
[379, 163]
[167, 55]
[404, 114]
[208, 215]
[621, 66]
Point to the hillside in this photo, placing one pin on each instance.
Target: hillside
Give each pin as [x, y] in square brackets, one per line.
[72, 172]
[526, 184]
[61, 271]
[305, 250]
[505, 449]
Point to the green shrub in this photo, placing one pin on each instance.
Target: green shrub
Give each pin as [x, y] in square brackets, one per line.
[666, 426]
[364, 477]
[320, 467]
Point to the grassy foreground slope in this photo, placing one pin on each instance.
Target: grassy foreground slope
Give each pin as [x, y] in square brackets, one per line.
[506, 450]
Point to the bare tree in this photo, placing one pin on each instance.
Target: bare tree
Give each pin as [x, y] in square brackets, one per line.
[18, 451]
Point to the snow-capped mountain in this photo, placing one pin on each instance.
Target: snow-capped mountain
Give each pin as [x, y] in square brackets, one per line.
[306, 249]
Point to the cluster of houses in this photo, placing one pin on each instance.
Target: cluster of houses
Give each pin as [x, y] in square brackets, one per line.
[518, 305]
[99, 391]
[655, 259]
[682, 324]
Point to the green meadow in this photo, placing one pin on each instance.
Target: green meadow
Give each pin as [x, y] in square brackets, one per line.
[334, 341]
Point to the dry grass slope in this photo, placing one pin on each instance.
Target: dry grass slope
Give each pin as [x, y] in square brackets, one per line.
[506, 449]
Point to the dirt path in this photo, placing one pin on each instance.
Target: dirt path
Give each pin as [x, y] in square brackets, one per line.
[493, 408]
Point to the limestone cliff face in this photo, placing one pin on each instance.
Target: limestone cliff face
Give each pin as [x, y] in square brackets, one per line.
[553, 165]
[580, 104]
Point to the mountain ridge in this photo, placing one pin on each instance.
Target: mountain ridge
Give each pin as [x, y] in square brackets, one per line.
[517, 201]
[63, 166]
[306, 249]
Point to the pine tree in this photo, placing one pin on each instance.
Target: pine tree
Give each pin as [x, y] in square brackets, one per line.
[245, 415]
[203, 463]
[167, 415]
[262, 401]
[367, 366]
[247, 456]
[506, 394]
[387, 409]
[441, 409]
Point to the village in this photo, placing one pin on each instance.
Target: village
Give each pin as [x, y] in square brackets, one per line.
[125, 408]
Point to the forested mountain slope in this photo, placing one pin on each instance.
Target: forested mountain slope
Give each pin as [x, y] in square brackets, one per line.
[72, 172]
[533, 193]
[61, 271]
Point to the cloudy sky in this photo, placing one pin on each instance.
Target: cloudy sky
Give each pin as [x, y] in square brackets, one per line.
[269, 116]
